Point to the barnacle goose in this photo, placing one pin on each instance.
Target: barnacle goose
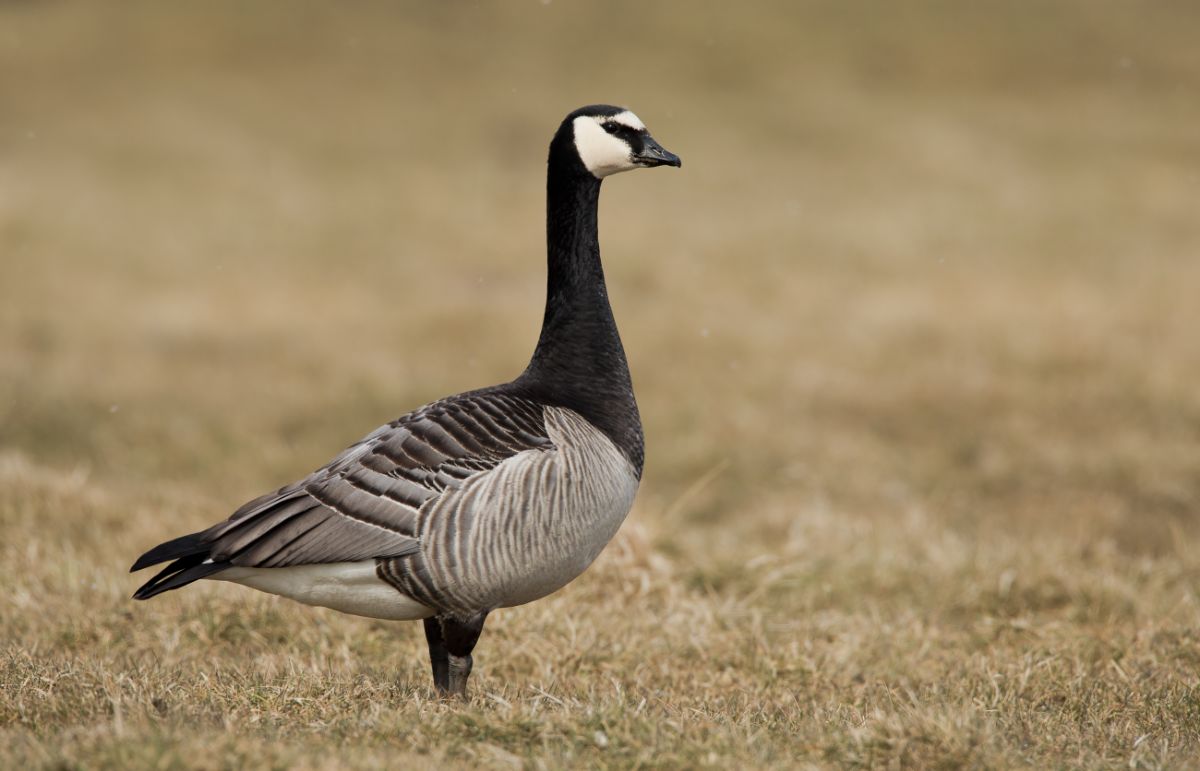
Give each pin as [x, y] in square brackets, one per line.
[484, 500]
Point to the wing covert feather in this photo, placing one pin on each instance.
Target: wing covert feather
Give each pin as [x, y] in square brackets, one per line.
[368, 502]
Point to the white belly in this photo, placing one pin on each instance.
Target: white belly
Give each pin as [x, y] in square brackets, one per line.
[351, 587]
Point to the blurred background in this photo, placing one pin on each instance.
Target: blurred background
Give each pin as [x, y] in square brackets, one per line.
[936, 254]
[930, 269]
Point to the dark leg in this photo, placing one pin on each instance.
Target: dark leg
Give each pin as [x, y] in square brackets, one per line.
[438, 655]
[459, 638]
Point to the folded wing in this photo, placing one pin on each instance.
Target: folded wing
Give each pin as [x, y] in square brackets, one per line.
[369, 501]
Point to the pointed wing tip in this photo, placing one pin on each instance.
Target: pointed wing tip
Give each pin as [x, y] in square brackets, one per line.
[183, 546]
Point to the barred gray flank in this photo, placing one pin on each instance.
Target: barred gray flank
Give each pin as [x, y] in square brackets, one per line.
[523, 529]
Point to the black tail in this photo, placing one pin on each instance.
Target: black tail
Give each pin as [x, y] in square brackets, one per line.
[189, 553]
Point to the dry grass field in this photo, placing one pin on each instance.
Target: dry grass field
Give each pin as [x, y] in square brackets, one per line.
[915, 331]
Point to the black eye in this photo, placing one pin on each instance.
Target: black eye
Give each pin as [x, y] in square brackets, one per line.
[611, 128]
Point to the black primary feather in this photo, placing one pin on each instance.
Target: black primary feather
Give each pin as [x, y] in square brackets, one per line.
[183, 546]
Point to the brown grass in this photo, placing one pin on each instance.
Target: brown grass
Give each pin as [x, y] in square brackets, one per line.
[914, 332]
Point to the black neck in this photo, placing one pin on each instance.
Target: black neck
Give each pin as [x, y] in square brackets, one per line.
[579, 362]
[579, 340]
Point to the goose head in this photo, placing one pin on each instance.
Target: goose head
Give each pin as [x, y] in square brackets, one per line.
[606, 140]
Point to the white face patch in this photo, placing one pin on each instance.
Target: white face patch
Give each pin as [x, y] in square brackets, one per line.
[601, 152]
